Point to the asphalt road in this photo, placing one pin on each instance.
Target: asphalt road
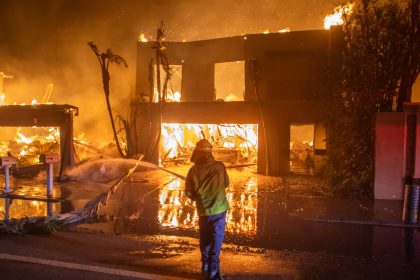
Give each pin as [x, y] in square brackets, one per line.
[13, 270]
[164, 257]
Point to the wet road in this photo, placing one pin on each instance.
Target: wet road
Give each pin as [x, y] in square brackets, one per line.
[20, 271]
[267, 227]
[265, 213]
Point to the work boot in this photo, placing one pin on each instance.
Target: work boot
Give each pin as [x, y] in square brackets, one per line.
[218, 276]
[204, 272]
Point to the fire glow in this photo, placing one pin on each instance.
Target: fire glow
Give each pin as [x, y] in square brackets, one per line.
[337, 17]
[18, 208]
[232, 143]
[27, 148]
[177, 211]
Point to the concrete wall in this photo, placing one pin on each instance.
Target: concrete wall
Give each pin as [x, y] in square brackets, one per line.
[414, 110]
[284, 80]
[288, 64]
[389, 155]
[397, 159]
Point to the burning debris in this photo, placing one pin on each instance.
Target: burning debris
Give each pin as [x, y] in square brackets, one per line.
[48, 129]
[232, 143]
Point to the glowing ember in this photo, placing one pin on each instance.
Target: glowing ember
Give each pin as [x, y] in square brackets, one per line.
[142, 38]
[20, 138]
[28, 148]
[2, 98]
[174, 96]
[284, 30]
[337, 17]
[232, 97]
[170, 97]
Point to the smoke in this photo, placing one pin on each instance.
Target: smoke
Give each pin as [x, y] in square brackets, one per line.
[45, 41]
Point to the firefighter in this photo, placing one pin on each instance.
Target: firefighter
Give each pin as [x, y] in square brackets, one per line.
[205, 184]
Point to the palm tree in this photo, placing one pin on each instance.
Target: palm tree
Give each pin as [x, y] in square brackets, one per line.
[105, 59]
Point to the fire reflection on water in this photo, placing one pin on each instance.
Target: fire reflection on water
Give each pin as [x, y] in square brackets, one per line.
[16, 208]
[19, 208]
[177, 211]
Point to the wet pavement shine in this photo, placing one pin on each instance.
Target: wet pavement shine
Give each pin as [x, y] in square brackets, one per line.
[271, 232]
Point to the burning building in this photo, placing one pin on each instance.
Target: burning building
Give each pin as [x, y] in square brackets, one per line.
[247, 94]
[52, 123]
[55, 119]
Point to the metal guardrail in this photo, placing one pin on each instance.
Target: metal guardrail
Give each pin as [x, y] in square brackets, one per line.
[48, 159]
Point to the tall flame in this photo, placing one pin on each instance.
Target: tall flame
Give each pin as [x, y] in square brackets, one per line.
[337, 17]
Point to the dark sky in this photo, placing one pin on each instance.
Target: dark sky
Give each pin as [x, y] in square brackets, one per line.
[44, 41]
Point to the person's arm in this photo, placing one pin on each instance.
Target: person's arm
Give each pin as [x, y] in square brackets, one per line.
[190, 186]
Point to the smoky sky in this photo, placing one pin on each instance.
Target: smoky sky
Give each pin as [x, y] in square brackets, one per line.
[45, 41]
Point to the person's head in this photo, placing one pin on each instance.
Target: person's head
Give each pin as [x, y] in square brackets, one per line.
[202, 152]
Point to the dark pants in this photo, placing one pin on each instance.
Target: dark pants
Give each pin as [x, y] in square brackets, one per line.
[212, 231]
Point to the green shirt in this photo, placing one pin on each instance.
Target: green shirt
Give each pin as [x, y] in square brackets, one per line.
[205, 184]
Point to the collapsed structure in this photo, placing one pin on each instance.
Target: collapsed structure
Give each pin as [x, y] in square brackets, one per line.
[283, 78]
[45, 115]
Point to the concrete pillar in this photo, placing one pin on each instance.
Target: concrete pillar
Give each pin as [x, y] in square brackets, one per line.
[250, 94]
[262, 158]
[67, 153]
[284, 148]
[278, 141]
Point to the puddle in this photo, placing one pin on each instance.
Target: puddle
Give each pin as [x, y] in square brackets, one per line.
[29, 198]
[18, 208]
[266, 212]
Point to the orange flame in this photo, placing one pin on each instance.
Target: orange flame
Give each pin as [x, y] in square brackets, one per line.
[337, 17]
[178, 140]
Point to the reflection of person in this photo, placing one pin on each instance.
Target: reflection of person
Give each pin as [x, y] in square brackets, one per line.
[205, 184]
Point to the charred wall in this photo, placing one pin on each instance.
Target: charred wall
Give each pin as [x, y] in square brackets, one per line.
[285, 78]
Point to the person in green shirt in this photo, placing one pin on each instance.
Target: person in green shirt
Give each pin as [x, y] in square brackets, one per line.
[205, 184]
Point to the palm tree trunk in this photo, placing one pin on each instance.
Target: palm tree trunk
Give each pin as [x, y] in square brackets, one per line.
[105, 80]
[108, 105]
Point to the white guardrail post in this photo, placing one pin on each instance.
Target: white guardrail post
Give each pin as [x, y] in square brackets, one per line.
[49, 159]
[6, 163]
